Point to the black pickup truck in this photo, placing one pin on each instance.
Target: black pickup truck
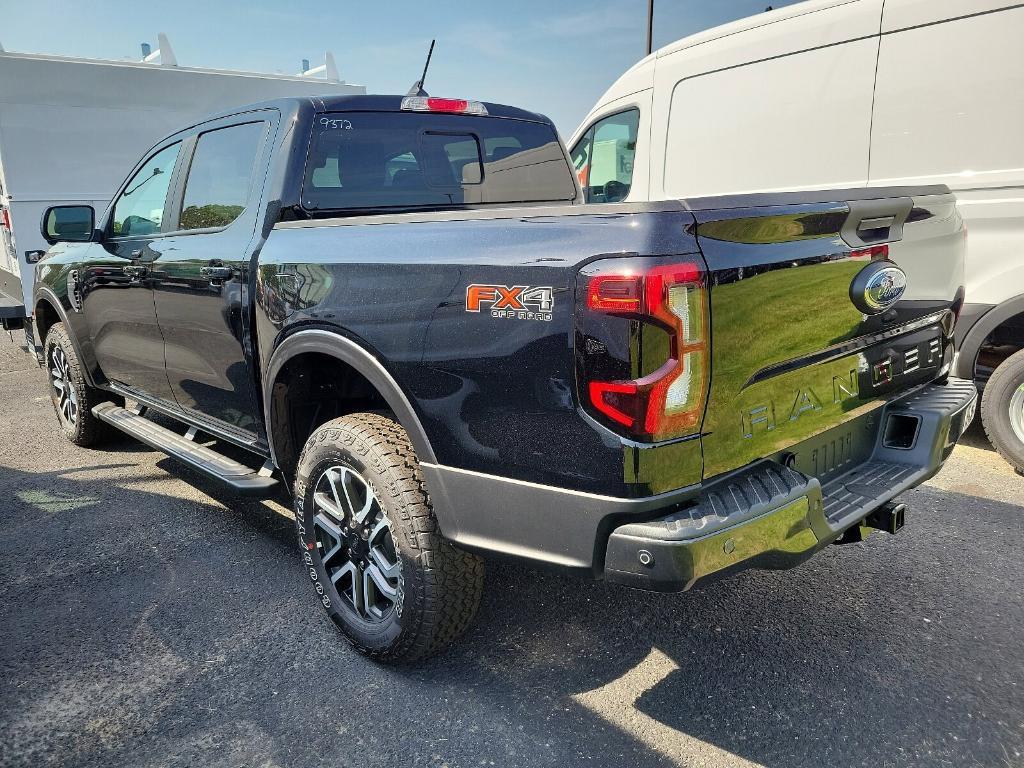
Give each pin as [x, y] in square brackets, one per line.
[400, 311]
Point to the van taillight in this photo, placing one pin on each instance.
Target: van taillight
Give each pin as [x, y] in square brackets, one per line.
[5, 219]
[872, 252]
[647, 320]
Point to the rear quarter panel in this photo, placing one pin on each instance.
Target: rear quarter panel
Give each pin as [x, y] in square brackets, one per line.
[495, 395]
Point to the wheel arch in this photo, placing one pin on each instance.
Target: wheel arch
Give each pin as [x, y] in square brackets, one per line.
[46, 314]
[355, 357]
[975, 338]
[47, 311]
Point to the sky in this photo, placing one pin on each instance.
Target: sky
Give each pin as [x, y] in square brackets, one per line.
[552, 57]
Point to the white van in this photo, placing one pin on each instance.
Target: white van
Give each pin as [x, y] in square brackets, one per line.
[847, 93]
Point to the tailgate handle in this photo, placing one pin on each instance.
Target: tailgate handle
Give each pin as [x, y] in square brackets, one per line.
[876, 221]
[873, 225]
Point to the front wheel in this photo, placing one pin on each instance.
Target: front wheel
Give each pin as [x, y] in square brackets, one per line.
[1002, 409]
[73, 398]
[394, 585]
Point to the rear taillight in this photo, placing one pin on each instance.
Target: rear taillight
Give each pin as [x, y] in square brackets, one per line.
[5, 219]
[615, 293]
[656, 315]
[435, 104]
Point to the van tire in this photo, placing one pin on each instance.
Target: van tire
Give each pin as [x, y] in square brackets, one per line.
[1001, 404]
[438, 585]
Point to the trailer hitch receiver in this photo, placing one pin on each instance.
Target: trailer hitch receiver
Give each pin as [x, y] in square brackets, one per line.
[889, 517]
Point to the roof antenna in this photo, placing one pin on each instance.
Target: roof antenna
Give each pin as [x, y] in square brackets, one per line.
[417, 87]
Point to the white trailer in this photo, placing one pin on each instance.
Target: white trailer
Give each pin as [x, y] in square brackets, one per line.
[70, 130]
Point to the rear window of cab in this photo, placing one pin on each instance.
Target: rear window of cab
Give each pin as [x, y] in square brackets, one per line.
[374, 160]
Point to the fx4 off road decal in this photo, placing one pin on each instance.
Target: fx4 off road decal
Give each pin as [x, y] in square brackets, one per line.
[518, 302]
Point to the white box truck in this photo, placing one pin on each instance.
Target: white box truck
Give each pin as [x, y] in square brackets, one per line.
[70, 129]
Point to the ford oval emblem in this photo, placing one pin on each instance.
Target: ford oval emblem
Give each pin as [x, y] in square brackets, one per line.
[877, 287]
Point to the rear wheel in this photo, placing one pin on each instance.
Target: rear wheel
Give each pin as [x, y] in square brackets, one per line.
[387, 577]
[73, 398]
[1002, 409]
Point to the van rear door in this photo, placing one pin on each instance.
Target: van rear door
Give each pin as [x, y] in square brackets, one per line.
[777, 102]
[966, 134]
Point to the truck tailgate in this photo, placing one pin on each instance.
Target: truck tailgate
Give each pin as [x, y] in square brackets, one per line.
[810, 328]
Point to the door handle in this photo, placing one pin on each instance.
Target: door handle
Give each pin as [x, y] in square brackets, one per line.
[216, 273]
[135, 271]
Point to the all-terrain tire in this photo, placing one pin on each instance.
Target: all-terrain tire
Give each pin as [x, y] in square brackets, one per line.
[1001, 404]
[439, 585]
[78, 398]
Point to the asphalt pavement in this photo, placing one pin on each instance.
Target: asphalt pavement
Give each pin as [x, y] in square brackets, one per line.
[148, 618]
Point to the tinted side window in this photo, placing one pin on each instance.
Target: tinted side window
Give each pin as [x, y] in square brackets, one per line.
[220, 175]
[605, 157]
[139, 211]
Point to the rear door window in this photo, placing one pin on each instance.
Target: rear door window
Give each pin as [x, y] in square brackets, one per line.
[220, 176]
[372, 160]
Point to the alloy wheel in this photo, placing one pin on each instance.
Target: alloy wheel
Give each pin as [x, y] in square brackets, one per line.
[60, 379]
[355, 544]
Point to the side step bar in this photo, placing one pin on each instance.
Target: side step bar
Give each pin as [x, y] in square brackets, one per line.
[245, 480]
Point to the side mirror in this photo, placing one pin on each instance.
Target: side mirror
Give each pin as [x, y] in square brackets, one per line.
[68, 224]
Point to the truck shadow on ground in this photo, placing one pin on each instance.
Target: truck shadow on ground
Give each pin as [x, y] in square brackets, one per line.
[890, 652]
[193, 627]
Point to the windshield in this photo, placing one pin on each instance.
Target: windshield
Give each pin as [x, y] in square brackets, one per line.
[375, 160]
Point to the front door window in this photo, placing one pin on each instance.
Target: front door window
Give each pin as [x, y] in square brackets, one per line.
[139, 211]
[603, 158]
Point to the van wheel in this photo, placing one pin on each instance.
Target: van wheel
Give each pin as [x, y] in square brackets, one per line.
[394, 585]
[1002, 410]
[73, 399]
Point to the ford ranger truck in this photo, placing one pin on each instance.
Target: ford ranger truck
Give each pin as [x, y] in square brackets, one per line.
[400, 310]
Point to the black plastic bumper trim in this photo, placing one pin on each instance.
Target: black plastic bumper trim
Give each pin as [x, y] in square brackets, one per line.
[12, 305]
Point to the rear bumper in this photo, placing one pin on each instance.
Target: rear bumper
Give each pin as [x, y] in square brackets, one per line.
[771, 516]
[12, 306]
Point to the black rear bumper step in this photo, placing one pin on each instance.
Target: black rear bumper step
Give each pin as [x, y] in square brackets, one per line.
[772, 516]
[243, 479]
